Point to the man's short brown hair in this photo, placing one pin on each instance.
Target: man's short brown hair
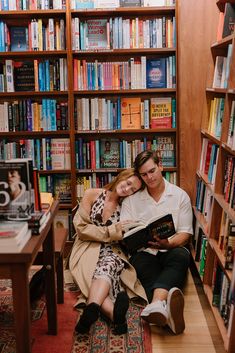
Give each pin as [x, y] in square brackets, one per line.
[143, 157]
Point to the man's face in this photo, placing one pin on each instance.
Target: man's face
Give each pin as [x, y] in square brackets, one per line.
[151, 173]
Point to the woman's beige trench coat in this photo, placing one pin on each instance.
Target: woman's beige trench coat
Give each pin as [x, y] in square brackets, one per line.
[85, 254]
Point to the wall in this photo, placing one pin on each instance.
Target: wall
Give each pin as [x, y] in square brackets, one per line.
[197, 27]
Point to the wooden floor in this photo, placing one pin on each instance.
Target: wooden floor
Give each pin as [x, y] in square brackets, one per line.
[201, 334]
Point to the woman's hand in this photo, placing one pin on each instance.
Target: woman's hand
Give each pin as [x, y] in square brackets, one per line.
[127, 224]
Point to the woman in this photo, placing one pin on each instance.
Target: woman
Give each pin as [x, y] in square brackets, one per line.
[97, 262]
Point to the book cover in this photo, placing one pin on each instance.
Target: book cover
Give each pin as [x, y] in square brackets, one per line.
[19, 38]
[61, 220]
[160, 112]
[15, 198]
[130, 113]
[109, 153]
[139, 236]
[62, 188]
[156, 73]
[229, 20]
[60, 154]
[97, 34]
[24, 76]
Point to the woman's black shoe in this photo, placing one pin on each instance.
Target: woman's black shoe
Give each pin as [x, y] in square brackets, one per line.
[88, 317]
[121, 306]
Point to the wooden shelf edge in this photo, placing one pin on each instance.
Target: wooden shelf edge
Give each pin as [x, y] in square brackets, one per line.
[218, 318]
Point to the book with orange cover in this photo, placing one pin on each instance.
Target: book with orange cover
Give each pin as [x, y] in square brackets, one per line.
[130, 113]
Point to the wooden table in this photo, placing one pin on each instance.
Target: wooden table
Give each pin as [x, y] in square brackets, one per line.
[16, 266]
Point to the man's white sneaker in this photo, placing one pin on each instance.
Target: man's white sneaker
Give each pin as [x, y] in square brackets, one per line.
[175, 308]
[156, 313]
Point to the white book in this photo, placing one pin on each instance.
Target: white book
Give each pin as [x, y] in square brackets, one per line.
[218, 72]
[106, 4]
[34, 34]
[9, 75]
[51, 34]
[154, 3]
[60, 154]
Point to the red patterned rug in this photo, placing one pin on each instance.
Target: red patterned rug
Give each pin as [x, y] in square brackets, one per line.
[7, 335]
[100, 340]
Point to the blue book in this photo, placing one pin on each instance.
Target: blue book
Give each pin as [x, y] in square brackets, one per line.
[19, 38]
[156, 73]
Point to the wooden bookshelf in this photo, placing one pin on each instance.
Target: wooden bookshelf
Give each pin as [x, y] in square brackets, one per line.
[216, 248]
[70, 95]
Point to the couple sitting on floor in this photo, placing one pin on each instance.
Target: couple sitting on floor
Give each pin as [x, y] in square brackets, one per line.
[106, 275]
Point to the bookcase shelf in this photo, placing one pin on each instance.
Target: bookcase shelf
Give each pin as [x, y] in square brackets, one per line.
[69, 96]
[214, 211]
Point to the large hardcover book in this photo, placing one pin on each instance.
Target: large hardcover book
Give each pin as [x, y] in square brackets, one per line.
[130, 113]
[156, 73]
[96, 34]
[15, 197]
[19, 38]
[229, 19]
[60, 154]
[160, 112]
[141, 234]
[24, 76]
[109, 153]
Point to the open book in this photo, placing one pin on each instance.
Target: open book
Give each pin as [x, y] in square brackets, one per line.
[139, 234]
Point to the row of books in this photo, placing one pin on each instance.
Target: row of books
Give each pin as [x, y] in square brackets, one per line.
[123, 33]
[220, 293]
[229, 181]
[226, 21]
[221, 71]
[231, 129]
[11, 5]
[136, 73]
[216, 116]
[58, 185]
[35, 36]
[209, 159]
[35, 75]
[112, 153]
[226, 240]
[90, 4]
[29, 115]
[204, 200]
[124, 113]
[95, 180]
[45, 153]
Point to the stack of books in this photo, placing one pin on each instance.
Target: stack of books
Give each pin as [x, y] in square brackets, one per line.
[13, 236]
[38, 221]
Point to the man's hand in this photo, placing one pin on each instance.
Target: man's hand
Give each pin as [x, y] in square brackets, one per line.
[159, 243]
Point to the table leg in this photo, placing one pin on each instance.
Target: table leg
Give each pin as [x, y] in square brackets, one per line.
[49, 262]
[21, 305]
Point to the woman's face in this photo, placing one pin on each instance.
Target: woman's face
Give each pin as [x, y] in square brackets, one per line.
[128, 187]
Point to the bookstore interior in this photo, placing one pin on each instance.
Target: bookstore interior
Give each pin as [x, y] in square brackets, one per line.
[86, 85]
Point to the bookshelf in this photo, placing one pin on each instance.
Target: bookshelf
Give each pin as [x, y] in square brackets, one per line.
[214, 207]
[108, 76]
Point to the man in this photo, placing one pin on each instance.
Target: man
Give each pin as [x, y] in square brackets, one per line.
[161, 268]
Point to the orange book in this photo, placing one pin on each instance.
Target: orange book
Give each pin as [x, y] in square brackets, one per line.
[220, 26]
[160, 112]
[131, 113]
